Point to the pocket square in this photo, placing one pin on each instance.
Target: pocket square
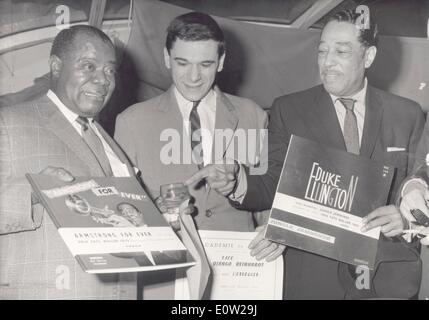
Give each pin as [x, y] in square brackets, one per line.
[393, 149]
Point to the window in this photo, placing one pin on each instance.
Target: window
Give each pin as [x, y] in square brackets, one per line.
[394, 17]
[117, 9]
[22, 15]
[273, 11]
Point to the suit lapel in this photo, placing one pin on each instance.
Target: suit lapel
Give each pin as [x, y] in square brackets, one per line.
[171, 118]
[226, 119]
[55, 121]
[323, 122]
[116, 149]
[372, 124]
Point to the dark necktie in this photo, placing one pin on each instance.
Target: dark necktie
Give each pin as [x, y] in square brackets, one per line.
[95, 144]
[350, 132]
[196, 141]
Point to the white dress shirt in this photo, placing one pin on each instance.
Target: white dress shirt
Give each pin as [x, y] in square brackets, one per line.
[359, 109]
[119, 168]
[207, 112]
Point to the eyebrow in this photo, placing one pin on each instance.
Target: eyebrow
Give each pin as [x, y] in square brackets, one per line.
[341, 43]
[186, 60]
[344, 43]
[93, 60]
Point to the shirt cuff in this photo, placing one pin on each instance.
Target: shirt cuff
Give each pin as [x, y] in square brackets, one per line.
[413, 184]
[241, 188]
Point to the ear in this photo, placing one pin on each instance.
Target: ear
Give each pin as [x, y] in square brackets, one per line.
[370, 54]
[167, 58]
[221, 61]
[55, 65]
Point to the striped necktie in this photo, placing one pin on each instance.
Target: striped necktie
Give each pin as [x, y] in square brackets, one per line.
[196, 140]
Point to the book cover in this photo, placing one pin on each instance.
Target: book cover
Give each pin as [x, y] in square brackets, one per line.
[322, 196]
[110, 224]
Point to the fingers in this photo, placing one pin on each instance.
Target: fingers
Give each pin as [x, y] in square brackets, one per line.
[200, 175]
[388, 218]
[160, 204]
[276, 253]
[220, 177]
[267, 249]
[257, 239]
[264, 249]
[382, 211]
[60, 173]
[376, 222]
[189, 209]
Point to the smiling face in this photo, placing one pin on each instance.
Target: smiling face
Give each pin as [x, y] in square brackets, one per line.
[343, 59]
[85, 78]
[193, 66]
[131, 213]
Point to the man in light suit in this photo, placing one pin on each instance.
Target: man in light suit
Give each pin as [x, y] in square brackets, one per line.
[377, 125]
[156, 134]
[57, 135]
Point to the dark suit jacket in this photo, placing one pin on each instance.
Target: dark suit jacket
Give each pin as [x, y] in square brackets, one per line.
[34, 261]
[390, 121]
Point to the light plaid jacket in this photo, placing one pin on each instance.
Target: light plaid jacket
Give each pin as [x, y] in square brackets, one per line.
[34, 261]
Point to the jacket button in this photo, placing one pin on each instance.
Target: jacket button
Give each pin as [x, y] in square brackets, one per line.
[209, 213]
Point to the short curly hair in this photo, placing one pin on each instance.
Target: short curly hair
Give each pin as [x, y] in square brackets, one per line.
[368, 36]
[64, 41]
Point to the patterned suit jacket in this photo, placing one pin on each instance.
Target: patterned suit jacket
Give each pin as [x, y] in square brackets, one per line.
[146, 130]
[34, 261]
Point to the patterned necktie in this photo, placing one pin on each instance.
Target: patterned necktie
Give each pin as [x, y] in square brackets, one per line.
[196, 141]
[350, 132]
[95, 144]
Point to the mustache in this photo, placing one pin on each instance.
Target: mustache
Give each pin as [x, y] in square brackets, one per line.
[332, 72]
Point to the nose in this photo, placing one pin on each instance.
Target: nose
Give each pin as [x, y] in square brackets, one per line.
[195, 73]
[100, 78]
[329, 59]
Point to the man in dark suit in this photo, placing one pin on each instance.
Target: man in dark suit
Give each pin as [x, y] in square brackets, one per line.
[57, 135]
[346, 113]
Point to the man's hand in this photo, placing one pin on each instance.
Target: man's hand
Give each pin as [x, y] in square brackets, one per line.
[173, 218]
[388, 218]
[61, 173]
[221, 177]
[265, 249]
[415, 199]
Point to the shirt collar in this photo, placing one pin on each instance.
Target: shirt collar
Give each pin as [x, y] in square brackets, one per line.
[69, 114]
[358, 96]
[185, 105]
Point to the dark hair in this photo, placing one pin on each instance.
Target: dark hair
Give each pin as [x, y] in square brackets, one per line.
[368, 36]
[195, 26]
[64, 41]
